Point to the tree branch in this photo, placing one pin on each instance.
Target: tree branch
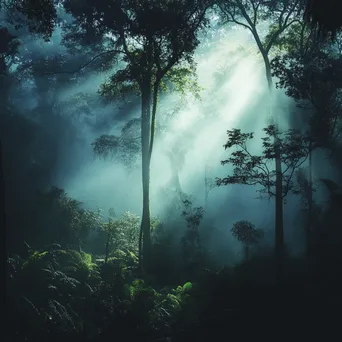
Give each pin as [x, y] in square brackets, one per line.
[83, 65]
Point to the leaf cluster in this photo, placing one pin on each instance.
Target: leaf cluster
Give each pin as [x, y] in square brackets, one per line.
[124, 231]
[246, 233]
[314, 83]
[40, 16]
[124, 148]
[151, 36]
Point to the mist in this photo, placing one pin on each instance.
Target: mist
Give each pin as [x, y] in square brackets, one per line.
[234, 94]
[236, 224]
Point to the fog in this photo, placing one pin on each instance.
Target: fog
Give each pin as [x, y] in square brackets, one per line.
[234, 94]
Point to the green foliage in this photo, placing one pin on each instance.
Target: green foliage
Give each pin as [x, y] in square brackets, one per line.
[47, 286]
[139, 289]
[150, 48]
[127, 258]
[124, 231]
[187, 287]
[82, 267]
[182, 80]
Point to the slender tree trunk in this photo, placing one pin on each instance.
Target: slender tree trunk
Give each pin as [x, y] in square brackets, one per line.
[279, 214]
[279, 220]
[175, 183]
[264, 50]
[107, 248]
[145, 230]
[309, 228]
[206, 190]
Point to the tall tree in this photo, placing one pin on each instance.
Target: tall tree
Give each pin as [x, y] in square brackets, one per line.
[151, 38]
[248, 14]
[292, 149]
[310, 73]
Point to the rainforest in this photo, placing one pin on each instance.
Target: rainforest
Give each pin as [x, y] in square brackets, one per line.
[170, 170]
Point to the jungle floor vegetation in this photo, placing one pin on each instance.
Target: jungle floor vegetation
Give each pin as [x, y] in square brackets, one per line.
[92, 290]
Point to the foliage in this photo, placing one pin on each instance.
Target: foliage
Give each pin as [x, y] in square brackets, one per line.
[252, 169]
[124, 148]
[180, 79]
[39, 16]
[249, 13]
[59, 291]
[69, 223]
[9, 44]
[315, 84]
[137, 34]
[245, 232]
[124, 231]
[50, 286]
[46, 288]
[305, 189]
[192, 249]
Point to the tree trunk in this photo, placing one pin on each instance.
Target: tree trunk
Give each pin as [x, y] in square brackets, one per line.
[206, 188]
[309, 228]
[279, 220]
[145, 230]
[175, 183]
[279, 224]
[246, 252]
[279, 215]
[107, 248]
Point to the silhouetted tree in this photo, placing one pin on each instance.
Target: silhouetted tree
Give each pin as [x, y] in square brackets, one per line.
[310, 73]
[252, 169]
[247, 14]
[246, 233]
[192, 250]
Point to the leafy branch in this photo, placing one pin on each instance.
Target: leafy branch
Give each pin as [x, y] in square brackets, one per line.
[252, 169]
